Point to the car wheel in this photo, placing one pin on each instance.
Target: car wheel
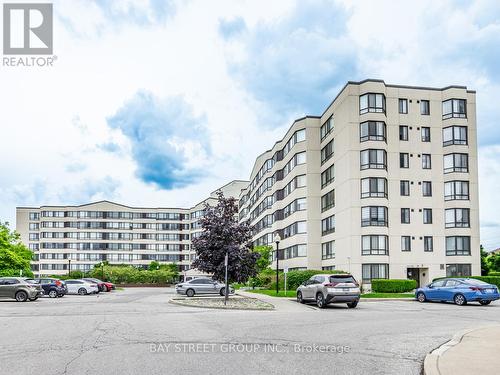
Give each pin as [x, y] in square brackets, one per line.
[190, 292]
[21, 296]
[52, 293]
[105, 288]
[484, 303]
[459, 300]
[82, 291]
[223, 292]
[352, 305]
[320, 300]
[421, 297]
[300, 299]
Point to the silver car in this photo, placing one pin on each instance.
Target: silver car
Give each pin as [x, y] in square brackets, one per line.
[330, 288]
[202, 286]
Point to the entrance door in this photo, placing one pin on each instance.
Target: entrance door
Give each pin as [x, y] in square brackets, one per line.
[413, 274]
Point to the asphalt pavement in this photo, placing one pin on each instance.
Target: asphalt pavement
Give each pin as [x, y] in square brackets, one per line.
[136, 331]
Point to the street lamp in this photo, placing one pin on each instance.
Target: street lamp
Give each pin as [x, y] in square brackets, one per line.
[69, 267]
[102, 270]
[277, 240]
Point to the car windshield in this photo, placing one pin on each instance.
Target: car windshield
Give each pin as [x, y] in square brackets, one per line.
[342, 279]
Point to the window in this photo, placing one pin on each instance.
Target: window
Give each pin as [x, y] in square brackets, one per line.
[34, 236]
[326, 128]
[426, 134]
[327, 176]
[34, 216]
[295, 228]
[295, 251]
[373, 216]
[328, 225]
[404, 187]
[428, 244]
[425, 107]
[405, 243]
[374, 271]
[458, 245]
[457, 218]
[328, 201]
[456, 163]
[455, 135]
[328, 250]
[372, 103]
[34, 226]
[403, 133]
[427, 212]
[454, 108]
[375, 187]
[404, 160]
[374, 245]
[456, 190]
[372, 131]
[426, 161]
[373, 159]
[458, 270]
[298, 136]
[327, 152]
[405, 216]
[427, 188]
[403, 106]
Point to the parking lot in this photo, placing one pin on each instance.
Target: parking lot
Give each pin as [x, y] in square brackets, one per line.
[136, 331]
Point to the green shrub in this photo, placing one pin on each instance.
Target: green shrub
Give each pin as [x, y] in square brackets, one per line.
[393, 285]
[296, 278]
[494, 273]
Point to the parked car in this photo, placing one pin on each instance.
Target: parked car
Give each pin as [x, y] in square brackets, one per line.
[202, 285]
[328, 288]
[82, 287]
[103, 286]
[51, 287]
[19, 289]
[458, 290]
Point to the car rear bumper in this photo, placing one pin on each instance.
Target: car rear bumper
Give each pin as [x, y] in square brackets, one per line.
[342, 298]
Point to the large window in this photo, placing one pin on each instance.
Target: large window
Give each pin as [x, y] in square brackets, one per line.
[428, 244]
[404, 160]
[297, 159]
[327, 152]
[374, 216]
[328, 201]
[374, 187]
[458, 270]
[425, 107]
[405, 216]
[328, 225]
[374, 245]
[298, 136]
[455, 135]
[405, 243]
[454, 108]
[403, 106]
[403, 133]
[456, 163]
[404, 188]
[326, 128]
[373, 159]
[426, 161]
[372, 103]
[328, 250]
[456, 190]
[427, 213]
[372, 131]
[427, 188]
[295, 228]
[327, 176]
[295, 251]
[457, 218]
[375, 271]
[426, 134]
[458, 245]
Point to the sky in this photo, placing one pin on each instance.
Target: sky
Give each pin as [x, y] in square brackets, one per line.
[161, 102]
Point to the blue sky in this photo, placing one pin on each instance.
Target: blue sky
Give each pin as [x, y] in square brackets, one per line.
[160, 102]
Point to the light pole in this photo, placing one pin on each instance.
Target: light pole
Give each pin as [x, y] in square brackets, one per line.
[277, 240]
[102, 270]
[69, 267]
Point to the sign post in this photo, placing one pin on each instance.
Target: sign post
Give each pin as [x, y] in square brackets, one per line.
[226, 261]
[285, 271]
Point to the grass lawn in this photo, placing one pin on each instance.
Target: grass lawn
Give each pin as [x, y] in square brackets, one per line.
[388, 295]
[269, 292]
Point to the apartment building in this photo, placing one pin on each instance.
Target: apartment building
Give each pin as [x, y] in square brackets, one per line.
[79, 237]
[383, 184]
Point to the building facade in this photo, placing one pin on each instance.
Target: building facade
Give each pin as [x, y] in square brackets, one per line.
[383, 184]
[79, 237]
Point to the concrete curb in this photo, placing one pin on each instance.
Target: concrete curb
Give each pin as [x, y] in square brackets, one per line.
[179, 303]
[386, 299]
[431, 361]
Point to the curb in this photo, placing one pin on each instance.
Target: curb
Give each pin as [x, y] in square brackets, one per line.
[176, 302]
[431, 361]
[386, 299]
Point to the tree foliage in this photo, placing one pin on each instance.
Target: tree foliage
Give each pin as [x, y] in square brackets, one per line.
[14, 255]
[222, 233]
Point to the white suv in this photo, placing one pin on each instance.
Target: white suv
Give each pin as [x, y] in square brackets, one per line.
[330, 288]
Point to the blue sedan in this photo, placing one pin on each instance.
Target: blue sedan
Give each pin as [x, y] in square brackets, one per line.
[458, 290]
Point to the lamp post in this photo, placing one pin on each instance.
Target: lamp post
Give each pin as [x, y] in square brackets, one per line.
[69, 267]
[102, 270]
[277, 240]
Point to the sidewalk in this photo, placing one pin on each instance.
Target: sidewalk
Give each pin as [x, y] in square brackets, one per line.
[468, 352]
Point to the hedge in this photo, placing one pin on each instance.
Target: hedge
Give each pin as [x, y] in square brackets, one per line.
[495, 280]
[494, 273]
[393, 285]
[295, 278]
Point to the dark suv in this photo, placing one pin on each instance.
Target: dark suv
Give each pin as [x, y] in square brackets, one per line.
[51, 287]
